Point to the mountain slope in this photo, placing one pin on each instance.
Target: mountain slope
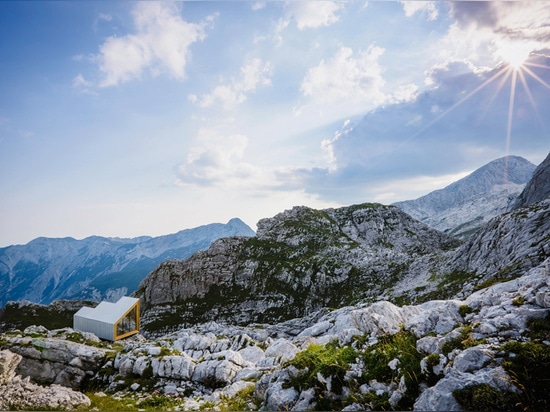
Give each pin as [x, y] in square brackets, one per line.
[304, 259]
[97, 268]
[538, 187]
[299, 261]
[465, 205]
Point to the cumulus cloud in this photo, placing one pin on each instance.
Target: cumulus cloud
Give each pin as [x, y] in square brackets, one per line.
[485, 31]
[253, 74]
[217, 159]
[428, 7]
[443, 130]
[160, 43]
[346, 77]
[312, 14]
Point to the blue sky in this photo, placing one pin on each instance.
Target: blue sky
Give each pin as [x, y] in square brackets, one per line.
[145, 118]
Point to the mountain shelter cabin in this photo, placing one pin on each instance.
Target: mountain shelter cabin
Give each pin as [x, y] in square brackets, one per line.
[109, 321]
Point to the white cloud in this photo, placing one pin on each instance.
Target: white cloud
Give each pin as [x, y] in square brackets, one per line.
[405, 93]
[217, 159]
[412, 7]
[83, 85]
[484, 30]
[160, 43]
[253, 74]
[346, 77]
[258, 5]
[313, 14]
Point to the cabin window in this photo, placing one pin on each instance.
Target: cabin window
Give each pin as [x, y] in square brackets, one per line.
[128, 323]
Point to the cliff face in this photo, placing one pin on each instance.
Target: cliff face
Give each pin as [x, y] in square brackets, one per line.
[299, 261]
[538, 187]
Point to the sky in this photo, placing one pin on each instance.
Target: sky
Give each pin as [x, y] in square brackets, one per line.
[124, 119]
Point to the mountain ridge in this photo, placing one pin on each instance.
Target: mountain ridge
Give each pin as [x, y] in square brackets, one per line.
[96, 268]
[465, 205]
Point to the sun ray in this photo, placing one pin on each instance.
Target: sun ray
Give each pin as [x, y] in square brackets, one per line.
[533, 64]
[531, 98]
[508, 70]
[499, 87]
[511, 111]
[460, 102]
[536, 77]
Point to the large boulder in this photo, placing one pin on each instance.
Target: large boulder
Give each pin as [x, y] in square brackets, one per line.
[48, 360]
[17, 393]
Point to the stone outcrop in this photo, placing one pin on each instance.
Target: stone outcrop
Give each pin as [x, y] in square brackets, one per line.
[19, 393]
[299, 262]
[49, 358]
[538, 187]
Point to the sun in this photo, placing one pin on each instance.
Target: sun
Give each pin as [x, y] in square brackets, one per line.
[515, 54]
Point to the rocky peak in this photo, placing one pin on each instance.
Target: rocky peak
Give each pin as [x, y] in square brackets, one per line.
[538, 187]
[465, 205]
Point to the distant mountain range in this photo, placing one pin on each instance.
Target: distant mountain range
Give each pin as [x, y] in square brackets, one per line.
[97, 268]
[464, 206]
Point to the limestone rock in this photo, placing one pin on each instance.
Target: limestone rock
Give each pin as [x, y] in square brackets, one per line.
[17, 393]
[8, 365]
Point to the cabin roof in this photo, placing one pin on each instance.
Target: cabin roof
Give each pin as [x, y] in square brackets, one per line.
[108, 312]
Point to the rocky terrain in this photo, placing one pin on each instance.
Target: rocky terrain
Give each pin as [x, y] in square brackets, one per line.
[299, 261]
[467, 204]
[20, 393]
[489, 349]
[356, 308]
[97, 268]
[305, 259]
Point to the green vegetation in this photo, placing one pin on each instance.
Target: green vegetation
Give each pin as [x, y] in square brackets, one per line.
[485, 398]
[539, 328]
[332, 361]
[505, 274]
[102, 402]
[528, 365]
[447, 284]
[242, 401]
[463, 341]
[464, 310]
[520, 300]
[153, 401]
[329, 360]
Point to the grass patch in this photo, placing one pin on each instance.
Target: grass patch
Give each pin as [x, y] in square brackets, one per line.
[329, 360]
[108, 403]
[529, 366]
[241, 401]
[485, 398]
[464, 310]
[539, 329]
[463, 341]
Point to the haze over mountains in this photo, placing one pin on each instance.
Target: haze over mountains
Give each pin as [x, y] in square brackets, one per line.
[97, 268]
